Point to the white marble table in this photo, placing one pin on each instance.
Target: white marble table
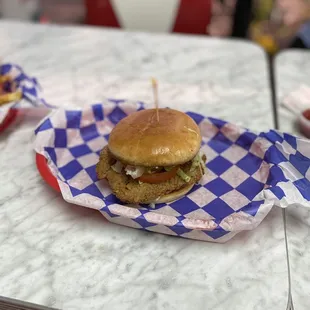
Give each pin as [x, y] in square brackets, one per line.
[68, 257]
[291, 71]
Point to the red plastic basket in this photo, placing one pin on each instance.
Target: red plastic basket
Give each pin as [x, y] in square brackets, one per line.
[46, 173]
[9, 119]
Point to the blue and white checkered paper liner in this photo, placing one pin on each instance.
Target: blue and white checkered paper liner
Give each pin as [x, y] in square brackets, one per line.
[247, 173]
[29, 87]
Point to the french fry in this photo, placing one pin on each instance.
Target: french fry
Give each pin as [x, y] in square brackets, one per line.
[13, 95]
[10, 97]
[5, 78]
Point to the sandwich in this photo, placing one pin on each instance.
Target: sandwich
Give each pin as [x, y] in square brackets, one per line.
[152, 156]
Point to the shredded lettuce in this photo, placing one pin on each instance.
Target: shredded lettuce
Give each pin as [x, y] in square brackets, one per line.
[183, 175]
[197, 162]
[180, 173]
[168, 168]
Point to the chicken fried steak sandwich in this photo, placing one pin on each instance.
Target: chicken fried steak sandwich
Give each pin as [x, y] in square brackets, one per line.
[152, 156]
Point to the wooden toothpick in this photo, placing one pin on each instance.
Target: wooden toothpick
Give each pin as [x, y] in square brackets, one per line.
[155, 93]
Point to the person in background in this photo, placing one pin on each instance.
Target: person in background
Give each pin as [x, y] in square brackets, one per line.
[280, 24]
[222, 18]
[274, 24]
[296, 14]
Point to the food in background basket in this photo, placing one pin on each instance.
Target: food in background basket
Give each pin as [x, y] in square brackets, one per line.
[8, 91]
[152, 157]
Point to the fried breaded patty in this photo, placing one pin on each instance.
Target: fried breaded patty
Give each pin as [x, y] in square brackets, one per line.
[130, 190]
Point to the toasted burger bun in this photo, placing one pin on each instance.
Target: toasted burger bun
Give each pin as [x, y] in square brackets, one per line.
[174, 195]
[140, 140]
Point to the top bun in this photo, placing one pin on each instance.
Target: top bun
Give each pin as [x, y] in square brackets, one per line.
[140, 140]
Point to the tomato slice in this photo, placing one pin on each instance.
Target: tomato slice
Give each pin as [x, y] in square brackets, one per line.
[155, 178]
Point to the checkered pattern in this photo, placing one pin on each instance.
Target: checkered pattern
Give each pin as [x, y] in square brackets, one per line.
[29, 87]
[247, 173]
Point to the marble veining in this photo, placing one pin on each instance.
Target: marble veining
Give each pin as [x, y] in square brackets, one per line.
[69, 257]
[292, 68]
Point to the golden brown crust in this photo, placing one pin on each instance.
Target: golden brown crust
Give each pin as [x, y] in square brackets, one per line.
[104, 164]
[131, 191]
[140, 140]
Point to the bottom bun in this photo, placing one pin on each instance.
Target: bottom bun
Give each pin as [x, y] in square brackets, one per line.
[174, 195]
